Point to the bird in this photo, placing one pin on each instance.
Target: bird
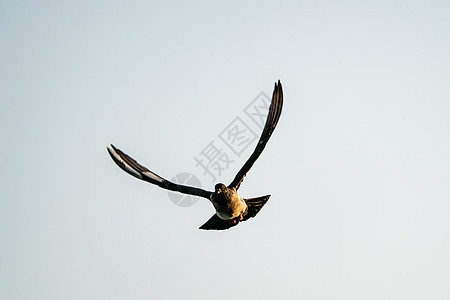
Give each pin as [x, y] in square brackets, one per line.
[230, 207]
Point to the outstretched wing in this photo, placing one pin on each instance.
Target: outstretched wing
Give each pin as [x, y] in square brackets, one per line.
[132, 167]
[271, 122]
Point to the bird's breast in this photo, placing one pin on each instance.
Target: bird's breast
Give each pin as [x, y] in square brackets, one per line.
[230, 209]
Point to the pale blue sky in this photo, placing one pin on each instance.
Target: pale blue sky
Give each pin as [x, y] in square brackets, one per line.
[358, 167]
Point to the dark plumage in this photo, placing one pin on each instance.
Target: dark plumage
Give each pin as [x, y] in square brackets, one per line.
[230, 207]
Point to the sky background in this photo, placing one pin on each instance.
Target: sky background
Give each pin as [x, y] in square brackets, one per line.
[358, 167]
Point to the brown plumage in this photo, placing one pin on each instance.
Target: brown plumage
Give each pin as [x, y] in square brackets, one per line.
[230, 207]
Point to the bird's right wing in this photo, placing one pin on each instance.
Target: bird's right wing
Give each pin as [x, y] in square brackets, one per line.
[132, 167]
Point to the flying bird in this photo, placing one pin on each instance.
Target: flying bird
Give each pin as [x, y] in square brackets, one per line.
[230, 207]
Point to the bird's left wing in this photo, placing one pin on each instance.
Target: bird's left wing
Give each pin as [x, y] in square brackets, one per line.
[271, 122]
[132, 167]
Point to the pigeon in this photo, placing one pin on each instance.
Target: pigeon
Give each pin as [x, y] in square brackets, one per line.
[231, 208]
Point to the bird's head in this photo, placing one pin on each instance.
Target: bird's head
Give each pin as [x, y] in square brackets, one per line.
[220, 187]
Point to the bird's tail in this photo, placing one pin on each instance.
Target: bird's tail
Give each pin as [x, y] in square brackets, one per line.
[254, 205]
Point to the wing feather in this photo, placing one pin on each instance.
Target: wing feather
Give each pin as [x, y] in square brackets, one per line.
[271, 122]
[133, 168]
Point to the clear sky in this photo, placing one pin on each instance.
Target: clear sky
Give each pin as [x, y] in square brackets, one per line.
[358, 167]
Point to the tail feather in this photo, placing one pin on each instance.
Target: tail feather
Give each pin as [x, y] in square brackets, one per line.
[216, 223]
[254, 205]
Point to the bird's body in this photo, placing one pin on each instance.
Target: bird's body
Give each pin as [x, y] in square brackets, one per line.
[230, 207]
[228, 203]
